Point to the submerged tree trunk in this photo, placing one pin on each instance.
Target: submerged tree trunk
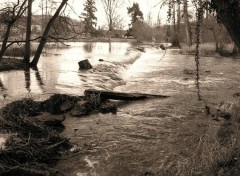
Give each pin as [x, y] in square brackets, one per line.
[109, 43]
[45, 34]
[105, 95]
[5, 40]
[110, 32]
[229, 14]
[27, 53]
[216, 40]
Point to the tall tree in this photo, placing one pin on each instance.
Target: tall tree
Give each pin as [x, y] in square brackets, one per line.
[187, 22]
[229, 14]
[89, 16]
[9, 16]
[136, 16]
[26, 58]
[46, 32]
[135, 13]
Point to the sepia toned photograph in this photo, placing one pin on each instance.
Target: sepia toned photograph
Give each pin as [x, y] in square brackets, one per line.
[119, 88]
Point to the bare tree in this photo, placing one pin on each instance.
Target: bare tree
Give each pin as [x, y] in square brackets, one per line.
[9, 16]
[45, 35]
[112, 14]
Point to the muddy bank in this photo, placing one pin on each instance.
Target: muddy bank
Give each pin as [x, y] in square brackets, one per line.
[35, 144]
[32, 147]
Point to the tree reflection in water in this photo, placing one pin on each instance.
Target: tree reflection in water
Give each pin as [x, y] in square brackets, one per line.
[27, 75]
[38, 77]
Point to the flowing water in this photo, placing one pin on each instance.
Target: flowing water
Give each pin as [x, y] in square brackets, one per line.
[58, 71]
[144, 135]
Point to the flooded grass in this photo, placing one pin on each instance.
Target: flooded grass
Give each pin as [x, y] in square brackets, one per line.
[205, 50]
[8, 63]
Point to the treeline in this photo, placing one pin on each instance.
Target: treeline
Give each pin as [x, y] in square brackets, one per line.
[19, 25]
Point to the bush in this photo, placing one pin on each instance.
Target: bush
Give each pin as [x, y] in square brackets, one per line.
[206, 49]
[17, 51]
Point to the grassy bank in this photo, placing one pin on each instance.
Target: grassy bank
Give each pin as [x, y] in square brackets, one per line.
[8, 63]
[207, 50]
[211, 147]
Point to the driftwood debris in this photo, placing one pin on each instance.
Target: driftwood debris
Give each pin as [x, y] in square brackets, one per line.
[105, 95]
[84, 65]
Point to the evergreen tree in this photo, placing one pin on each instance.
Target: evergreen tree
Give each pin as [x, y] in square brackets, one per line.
[136, 15]
[89, 16]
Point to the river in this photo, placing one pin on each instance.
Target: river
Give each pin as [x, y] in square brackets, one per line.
[150, 135]
[58, 71]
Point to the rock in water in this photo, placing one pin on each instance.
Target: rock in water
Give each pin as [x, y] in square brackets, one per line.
[50, 119]
[142, 49]
[84, 65]
[162, 47]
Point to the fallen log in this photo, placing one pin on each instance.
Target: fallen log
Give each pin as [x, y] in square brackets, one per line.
[105, 95]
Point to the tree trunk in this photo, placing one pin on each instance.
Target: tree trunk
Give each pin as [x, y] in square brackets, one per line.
[27, 76]
[105, 95]
[187, 23]
[178, 17]
[229, 14]
[5, 40]
[216, 40]
[175, 41]
[27, 53]
[45, 34]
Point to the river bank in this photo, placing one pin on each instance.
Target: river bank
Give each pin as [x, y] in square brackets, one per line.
[209, 50]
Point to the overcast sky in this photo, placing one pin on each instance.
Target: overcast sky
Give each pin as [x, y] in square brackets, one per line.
[146, 6]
